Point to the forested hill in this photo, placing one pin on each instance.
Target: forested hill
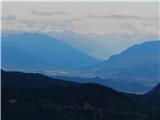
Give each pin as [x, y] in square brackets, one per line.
[62, 100]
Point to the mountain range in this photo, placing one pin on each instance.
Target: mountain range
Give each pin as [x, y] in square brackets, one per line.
[87, 43]
[135, 69]
[139, 63]
[38, 51]
[138, 60]
[101, 46]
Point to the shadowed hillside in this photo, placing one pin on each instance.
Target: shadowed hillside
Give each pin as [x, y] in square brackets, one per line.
[46, 98]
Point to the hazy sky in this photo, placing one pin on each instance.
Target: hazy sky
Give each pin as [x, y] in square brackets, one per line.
[115, 25]
[100, 18]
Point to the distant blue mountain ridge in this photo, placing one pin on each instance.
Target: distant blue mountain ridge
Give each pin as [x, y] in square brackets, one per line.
[38, 51]
[137, 62]
[136, 69]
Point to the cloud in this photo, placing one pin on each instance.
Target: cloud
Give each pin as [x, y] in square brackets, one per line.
[118, 17]
[28, 23]
[73, 20]
[57, 25]
[130, 28]
[47, 13]
[9, 19]
[48, 25]
[60, 25]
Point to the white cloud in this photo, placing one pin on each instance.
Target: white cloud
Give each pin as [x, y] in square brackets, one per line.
[47, 12]
[119, 17]
[97, 18]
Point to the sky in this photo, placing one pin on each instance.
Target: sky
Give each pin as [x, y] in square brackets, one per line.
[97, 18]
[116, 19]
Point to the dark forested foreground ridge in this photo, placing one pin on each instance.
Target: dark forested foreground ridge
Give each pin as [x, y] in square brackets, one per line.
[27, 96]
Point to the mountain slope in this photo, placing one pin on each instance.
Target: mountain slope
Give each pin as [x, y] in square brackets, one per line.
[15, 57]
[152, 98]
[133, 56]
[119, 85]
[19, 79]
[155, 91]
[59, 100]
[139, 64]
[35, 96]
[85, 42]
[54, 53]
[138, 61]
[100, 46]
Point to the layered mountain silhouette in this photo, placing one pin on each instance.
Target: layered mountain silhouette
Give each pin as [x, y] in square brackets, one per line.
[85, 42]
[38, 51]
[99, 46]
[47, 98]
[135, 69]
[120, 85]
[137, 62]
